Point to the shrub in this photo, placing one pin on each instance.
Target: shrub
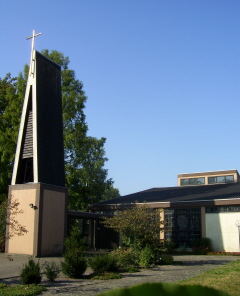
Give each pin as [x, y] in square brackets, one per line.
[75, 240]
[166, 260]
[74, 264]
[126, 257]
[202, 246]
[51, 270]
[167, 246]
[139, 226]
[30, 274]
[146, 257]
[102, 263]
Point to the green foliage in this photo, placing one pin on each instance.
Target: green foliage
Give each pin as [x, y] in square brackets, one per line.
[167, 246]
[202, 246]
[74, 264]
[164, 289]
[151, 255]
[126, 257]
[139, 226]
[166, 260]
[10, 114]
[110, 193]
[21, 290]
[51, 270]
[102, 263]
[75, 240]
[146, 257]
[106, 276]
[31, 273]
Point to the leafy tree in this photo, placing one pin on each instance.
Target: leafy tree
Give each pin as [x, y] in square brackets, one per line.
[139, 226]
[10, 114]
[86, 177]
[110, 193]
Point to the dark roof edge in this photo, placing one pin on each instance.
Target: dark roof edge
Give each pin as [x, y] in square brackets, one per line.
[168, 204]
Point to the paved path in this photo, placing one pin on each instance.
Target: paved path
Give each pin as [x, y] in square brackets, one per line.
[192, 265]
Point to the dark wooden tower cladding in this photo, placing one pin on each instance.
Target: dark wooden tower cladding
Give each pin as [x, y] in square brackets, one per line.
[49, 124]
[41, 152]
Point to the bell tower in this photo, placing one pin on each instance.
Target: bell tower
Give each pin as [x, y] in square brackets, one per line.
[38, 180]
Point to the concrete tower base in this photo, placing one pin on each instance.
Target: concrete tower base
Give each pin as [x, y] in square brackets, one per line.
[44, 216]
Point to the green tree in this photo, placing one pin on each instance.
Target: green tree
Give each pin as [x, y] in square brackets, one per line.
[86, 177]
[10, 113]
[139, 226]
[111, 193]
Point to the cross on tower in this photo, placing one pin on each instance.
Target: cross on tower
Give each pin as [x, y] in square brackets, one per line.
[31, 68]
[33, 38]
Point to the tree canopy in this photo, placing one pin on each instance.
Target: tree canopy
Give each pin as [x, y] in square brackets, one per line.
[139, 226]
[86, 176]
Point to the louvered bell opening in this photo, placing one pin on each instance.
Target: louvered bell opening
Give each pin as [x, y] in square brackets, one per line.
[28, 139]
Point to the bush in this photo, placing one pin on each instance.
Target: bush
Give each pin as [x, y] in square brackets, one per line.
[126, 257]
[102, 263]
[166, 260]
[51, 270]
[146, 257]
[30, 274]
[139, 226]
[167, 246]
[74, 264]
[202, 246]
[75, 240]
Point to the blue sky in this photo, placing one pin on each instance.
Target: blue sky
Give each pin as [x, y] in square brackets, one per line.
[162, 78]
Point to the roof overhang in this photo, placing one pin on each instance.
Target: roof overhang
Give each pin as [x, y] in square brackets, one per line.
[86, 215]
[178, 204]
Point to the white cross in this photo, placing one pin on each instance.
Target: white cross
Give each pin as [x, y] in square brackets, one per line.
[33, 38]
[31, 68]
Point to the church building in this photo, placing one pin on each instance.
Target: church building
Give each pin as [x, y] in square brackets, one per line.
[202, 205]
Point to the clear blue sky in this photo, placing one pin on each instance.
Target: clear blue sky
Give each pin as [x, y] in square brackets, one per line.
[162, 78]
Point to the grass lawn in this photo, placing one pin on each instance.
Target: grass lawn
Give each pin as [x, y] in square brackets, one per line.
[20, 290]
[225, 278]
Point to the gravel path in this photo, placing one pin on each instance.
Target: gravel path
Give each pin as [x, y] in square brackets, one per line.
[192, 265]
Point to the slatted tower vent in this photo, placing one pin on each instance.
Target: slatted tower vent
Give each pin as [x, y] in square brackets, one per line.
[28, 139]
